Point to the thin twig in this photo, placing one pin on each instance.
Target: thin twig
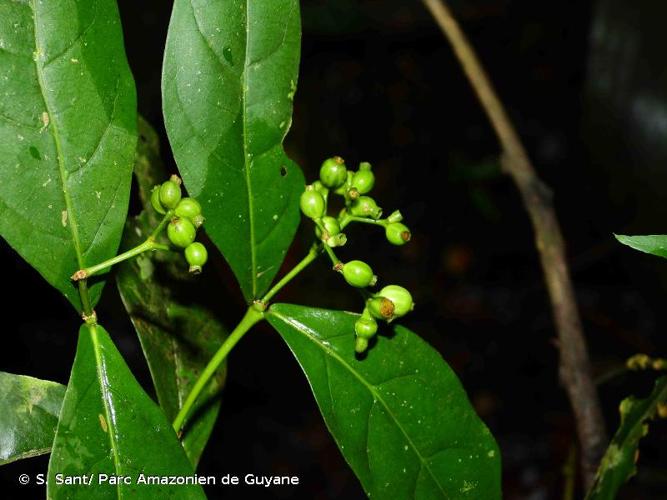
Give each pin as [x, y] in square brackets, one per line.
[575, 367]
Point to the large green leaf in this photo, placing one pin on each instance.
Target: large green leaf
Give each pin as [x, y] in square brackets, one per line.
[177, 335]
[229, 77]
[28, 416]
[109, 425]
[399, 416]
[618, 462]
[655, 244]
[67, 135]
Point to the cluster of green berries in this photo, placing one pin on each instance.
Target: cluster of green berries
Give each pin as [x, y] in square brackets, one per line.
[187, 218]
[392, 301]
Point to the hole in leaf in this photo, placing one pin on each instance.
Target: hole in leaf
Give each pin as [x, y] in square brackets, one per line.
[283, 171]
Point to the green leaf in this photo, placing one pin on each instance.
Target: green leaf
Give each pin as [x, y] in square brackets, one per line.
[229, 77]
[178, 336]
[399, 416]
[28, 416]
[655, 244]
[618, 462]
[109, 425]
[67, 135]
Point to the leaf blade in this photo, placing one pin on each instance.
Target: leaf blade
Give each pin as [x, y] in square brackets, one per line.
[28, 416]
[414, 406]
[244, 58]
[655, 244]
[67, 135]
[618, 463]
[108, 425]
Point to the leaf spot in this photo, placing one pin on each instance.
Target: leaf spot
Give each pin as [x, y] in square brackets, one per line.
[103, 423]
[63, 218]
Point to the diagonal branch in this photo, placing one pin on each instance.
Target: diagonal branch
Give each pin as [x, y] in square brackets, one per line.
[575, 367]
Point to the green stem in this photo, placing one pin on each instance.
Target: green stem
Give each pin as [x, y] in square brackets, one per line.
[351, 218]
[148, 245]
[165, 220]
[251, 317]
[310, 257]
[85, 298]
[133, 252]
[334, 259]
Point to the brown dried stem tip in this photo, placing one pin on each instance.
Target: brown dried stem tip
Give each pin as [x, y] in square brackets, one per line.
[81, 274]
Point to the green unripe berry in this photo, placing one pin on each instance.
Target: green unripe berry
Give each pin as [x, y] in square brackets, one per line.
[360, 345]
[365, 206]
[330, 232]
[188, 208]
[333, 173]
[337, 240]
[196, 255]
[331, 225]
[346, 185]
[365, 328]
[312, 203]
[320, 188]
[358, 274]
[155, 201]
[400, 297]
[170, 194]
[181, 232]
[397, 233]
[363, 180]
[380, 308]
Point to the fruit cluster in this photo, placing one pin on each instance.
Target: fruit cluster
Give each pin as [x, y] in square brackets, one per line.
[187, 218]
[392, 301]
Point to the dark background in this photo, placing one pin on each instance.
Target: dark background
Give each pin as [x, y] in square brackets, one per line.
[584, 82]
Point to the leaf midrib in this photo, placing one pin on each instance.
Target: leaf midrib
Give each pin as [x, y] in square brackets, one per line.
[71, 217]
[100, 367]
[371, 388]
[244, 111]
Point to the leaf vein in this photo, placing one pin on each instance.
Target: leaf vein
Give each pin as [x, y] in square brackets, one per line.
[312, 336]
[77, 40]
[282, 41]
[109, 126]
[56, 138]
